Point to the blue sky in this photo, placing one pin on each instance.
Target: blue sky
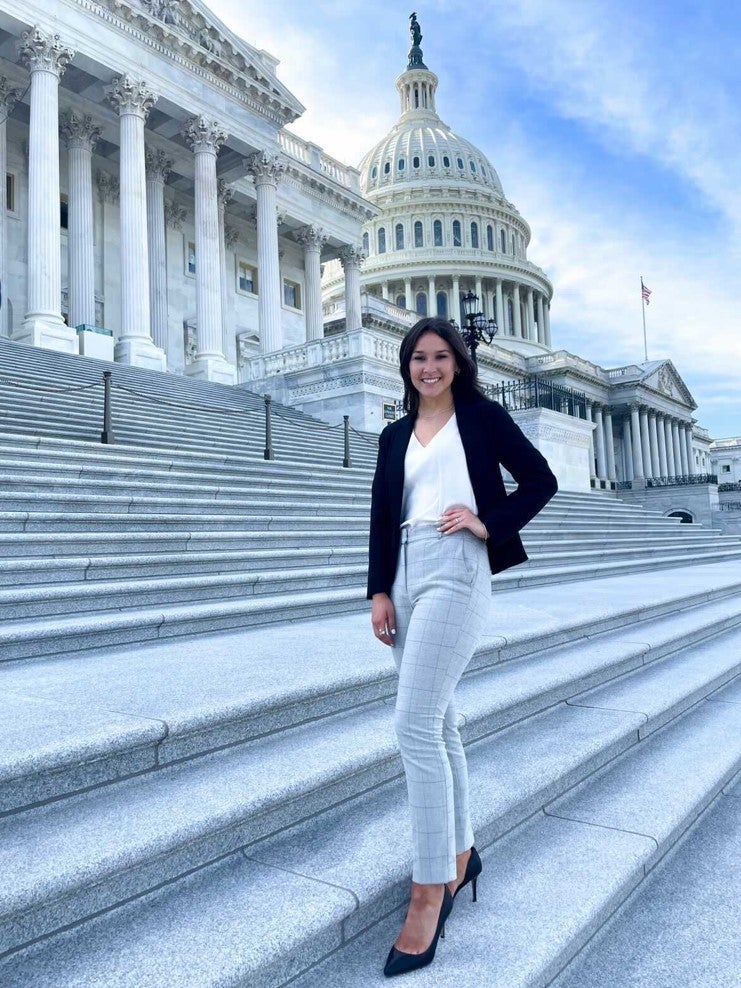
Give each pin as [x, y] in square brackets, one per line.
[614, 125]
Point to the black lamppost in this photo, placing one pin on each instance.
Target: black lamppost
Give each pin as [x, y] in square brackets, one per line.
[479, 329]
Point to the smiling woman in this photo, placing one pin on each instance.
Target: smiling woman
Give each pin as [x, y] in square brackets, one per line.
[441, 523]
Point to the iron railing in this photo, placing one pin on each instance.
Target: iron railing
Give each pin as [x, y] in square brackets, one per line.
[532, 392]
[682, 480]
[730, 486]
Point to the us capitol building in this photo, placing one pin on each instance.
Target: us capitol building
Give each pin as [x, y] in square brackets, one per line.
[158, 211]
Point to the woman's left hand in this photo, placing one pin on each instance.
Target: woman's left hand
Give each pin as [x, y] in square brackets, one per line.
[456, 518]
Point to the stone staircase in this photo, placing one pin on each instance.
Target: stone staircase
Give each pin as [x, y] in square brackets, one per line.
[199, 782]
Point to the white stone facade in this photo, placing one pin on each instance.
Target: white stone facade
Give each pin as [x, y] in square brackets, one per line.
[152, 217]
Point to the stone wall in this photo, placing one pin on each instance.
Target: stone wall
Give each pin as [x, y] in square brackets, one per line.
[698, 500]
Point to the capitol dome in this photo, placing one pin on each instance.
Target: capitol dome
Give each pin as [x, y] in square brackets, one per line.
[445, 227]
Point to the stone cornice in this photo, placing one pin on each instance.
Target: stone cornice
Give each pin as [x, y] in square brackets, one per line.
[246, 85]
[325, 191]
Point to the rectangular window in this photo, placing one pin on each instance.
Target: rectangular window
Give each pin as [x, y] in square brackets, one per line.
[190, 257]
[246, 278]
[291, 294]
[10, 192]
[726, 468]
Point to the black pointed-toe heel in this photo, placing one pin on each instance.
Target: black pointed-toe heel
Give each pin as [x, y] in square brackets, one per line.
[473, 870]
[398, 962]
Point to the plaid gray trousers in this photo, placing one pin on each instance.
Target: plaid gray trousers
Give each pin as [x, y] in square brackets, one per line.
[442, 596]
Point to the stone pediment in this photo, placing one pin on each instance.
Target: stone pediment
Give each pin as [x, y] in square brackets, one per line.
[204, 38]
[662, 375]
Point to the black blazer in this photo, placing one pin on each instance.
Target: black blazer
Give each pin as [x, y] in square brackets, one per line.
[490, 436]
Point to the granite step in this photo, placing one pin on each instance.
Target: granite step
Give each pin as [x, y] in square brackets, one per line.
[587, 868]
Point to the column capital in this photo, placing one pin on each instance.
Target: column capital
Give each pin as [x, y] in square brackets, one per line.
[231, 237]
[130, 96]
[109, 189]
[174, 214]
[312, 236]
[42, 51]
[224, 192]
[265, 167]
[157, 165]
[79, 131]
[351, 256]
[204, 135]
[9, 96]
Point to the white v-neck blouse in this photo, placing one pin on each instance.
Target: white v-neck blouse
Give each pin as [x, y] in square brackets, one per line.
[435, 476]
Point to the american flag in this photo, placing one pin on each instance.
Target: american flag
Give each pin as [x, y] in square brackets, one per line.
[645, 292]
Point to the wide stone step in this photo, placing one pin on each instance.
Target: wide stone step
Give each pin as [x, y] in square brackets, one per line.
[55, 889]
[60, 704]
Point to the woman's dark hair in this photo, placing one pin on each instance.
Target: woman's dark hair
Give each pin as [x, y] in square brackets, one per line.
[464, 382]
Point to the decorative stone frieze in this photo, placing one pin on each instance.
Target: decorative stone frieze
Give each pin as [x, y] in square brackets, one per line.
[129, 95]
[109, 189]
[79, 131]
[43, 51]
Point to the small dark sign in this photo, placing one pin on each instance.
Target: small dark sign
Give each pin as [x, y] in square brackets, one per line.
[389, 411]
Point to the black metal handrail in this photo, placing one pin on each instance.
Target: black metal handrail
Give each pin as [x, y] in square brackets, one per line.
[533, 392]
[682, 480]
[732, 486]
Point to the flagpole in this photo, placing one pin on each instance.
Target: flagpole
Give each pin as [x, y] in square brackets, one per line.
[643, 308]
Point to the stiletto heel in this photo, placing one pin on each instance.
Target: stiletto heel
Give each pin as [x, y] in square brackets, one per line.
[473, 870]
[399, 962]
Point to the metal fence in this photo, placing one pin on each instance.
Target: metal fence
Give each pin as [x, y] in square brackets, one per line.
[532, 392]
[730, 486]
[683, 480]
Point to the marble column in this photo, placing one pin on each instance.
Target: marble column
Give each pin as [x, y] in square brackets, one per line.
[157, 167]
[530, 316]
[224, 195]
[547, 313]
[499, 307]
[516, 311]
[431, 296]
[46, 58]
[627, 449]
[206, 137]
[599, 433]
[672, 466]
[541, 320]
[133, 99]
[313, 239]
[645, 443]
[385, 290]
[592, 442]
[653, 437]
[80, 135]
[675, 446]
[266, 170]
[635, 434]
[682, 448]
[408, 296]
[479, 291]
[661, 435]
[8, 97]
[351, 257]
[691, 468]
[455, 302]
[610, 446]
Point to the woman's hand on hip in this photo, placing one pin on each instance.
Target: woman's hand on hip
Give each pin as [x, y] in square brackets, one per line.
[383, 618]
[456, 518]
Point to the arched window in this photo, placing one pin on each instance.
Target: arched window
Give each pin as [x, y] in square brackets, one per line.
[475, 235]
[446, 161]
[421, 304]
[400, 236]
[415, 161]
[473, 166]
[483, 171]
[401, 301]
[442, 305]
[418, 236]
[382, 240]
[400, 164]
[374, 171]
[387, 167]
[437, 233]
[431, 160]
[456, 233]
[503, 241]
[490, 237]
[459, 162]
[366, 243]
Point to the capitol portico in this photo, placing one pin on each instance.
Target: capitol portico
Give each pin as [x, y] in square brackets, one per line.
[177, 224]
